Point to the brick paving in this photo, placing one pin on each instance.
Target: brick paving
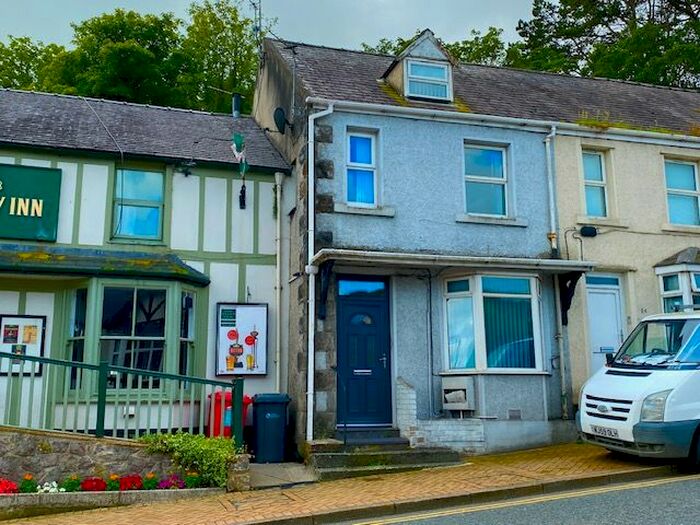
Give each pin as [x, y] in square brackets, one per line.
[531, 467]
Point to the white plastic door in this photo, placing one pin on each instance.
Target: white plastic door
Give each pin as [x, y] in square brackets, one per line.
[604, 323]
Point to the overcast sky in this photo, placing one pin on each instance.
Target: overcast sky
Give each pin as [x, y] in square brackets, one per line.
[339, 23]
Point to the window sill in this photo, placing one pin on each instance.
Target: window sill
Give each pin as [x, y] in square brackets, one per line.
[680, 228]
[495, 372]
[505, 221]
[143, 242]
[601, 221]
[381, 211]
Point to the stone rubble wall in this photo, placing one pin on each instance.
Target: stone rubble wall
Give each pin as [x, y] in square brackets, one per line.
[53, 456]
[463, 435]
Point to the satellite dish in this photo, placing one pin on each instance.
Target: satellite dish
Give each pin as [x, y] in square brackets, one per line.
[280, 118]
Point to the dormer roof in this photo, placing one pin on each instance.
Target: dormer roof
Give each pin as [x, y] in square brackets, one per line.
[424, 46]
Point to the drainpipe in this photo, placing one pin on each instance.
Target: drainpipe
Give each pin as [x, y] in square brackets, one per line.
[563, 362]
[279, 177]
[552, 235]
[311, 270]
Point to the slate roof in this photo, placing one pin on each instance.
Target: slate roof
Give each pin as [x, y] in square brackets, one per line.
[52, 260]
[68, 122]
[341, 74]
[690, 255]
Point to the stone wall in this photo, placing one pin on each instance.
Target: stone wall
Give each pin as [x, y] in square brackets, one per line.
[53, 456]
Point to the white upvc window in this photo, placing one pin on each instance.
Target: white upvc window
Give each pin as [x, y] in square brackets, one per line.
[492, 322]
[679, 285]
[361, 174]
[682, 192]
[426, 79]
[485, 180]
[595, 182]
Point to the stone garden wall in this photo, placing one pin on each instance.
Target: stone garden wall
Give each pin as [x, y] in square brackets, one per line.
[53, 456]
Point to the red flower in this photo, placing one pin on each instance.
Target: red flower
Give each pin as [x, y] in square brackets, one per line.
[8, 487]
[133, 482]
[93, 485]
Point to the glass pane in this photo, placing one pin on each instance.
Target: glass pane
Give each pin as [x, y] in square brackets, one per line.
[509, 333]
[117, 311]
[671, 302]
[148, 355]
[696, 279]
[428, 70]
[481, 162]
[184, 360]
[486, 198]
[593, 167]
[595, 201]
[361, 186]
[460, 332]
[671, 283]
[458, 286]
[77, 328]
[348, 287]
[77, 354]
[136, 221]
[187, 316]
[683, 209]
[361, 319]
[680, 176]
[418, 88]
[696, 299]
[505, 285]
[360, 149]
[150, 313]
[139, 185]
[602, 281]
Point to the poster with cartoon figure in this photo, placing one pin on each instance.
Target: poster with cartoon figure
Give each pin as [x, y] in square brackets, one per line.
[241, 339]
[21, 335]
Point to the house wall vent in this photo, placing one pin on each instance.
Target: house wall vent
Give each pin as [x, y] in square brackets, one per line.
[458, 393]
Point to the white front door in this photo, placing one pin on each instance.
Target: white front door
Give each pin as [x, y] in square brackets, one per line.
[605, 331]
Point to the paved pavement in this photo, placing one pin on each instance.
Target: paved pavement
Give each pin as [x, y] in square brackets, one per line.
[517, 474]
[658, 502]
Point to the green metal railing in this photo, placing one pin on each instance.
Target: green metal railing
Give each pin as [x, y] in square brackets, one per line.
[107, 400]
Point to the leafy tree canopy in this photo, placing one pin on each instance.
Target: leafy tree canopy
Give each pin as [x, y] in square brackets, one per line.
[152, 59]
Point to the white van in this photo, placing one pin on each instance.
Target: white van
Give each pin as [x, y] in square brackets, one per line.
[646, 400]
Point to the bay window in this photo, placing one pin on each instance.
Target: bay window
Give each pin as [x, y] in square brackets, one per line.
[492, 323]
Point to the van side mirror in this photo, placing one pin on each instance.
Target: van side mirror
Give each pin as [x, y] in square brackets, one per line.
[609, 358]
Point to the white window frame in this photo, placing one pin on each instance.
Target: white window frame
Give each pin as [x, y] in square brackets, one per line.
[118, 200]
[373, 136]
[685, 193]
[477, 294]
[430, 80]
[488, 180]
[598, 184]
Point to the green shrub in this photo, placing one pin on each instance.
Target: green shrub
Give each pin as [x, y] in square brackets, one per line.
[210, 457]
[71, 483]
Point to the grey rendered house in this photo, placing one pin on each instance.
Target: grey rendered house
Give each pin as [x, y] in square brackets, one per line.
[424, 259]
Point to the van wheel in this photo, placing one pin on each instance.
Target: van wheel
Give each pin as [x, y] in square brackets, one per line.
[693, 461]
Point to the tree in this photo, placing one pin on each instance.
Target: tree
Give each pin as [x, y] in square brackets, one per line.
[221, 45]
[22, 62]
[654, 41]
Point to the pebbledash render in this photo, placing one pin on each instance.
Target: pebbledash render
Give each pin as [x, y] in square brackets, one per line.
[140, 236]
[426, 277]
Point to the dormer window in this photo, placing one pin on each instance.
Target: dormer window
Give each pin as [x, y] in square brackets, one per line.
[426, 79]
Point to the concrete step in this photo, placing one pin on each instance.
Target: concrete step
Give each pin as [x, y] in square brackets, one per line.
[410, 456]
[366, 433]
[352, 472]
[368, 445]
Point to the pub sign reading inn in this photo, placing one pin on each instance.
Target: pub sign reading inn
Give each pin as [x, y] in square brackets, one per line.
[29, 201]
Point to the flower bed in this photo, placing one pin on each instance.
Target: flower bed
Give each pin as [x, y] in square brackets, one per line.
[113, 483]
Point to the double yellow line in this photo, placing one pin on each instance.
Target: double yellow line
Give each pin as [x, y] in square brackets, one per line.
[529, 501]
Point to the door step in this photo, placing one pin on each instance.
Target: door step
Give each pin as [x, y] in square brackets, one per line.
[326, 474]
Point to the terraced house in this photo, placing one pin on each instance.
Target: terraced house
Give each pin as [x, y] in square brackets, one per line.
[427, 304]
[124, 227]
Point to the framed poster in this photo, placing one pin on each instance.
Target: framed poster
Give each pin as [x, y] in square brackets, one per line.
[241, 339]
[22, 335]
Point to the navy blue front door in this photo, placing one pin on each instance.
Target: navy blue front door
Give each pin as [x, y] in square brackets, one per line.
[364, 360]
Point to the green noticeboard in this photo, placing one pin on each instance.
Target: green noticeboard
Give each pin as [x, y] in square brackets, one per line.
[29, 201]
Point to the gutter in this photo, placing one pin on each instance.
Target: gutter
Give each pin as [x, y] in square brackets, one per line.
[312, 268]
[551, 167]
[535, 125]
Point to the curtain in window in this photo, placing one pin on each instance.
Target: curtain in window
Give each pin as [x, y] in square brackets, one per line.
[509, 332]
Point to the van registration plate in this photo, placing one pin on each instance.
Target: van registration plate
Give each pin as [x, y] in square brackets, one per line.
[604, 431]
